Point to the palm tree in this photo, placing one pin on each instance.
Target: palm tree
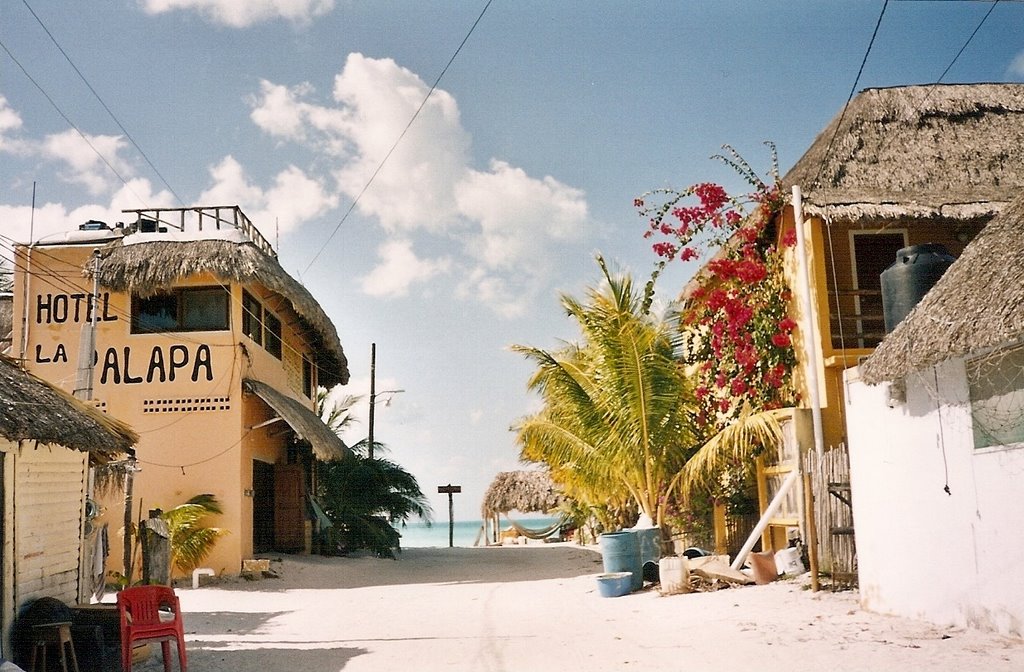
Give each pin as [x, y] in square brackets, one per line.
[618, 411]
[191, 541]
[366, 497]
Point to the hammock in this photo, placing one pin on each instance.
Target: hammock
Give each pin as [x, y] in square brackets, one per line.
[537, 534]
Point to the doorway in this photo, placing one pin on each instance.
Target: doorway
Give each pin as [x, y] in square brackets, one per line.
[262, 507]
[872, 253]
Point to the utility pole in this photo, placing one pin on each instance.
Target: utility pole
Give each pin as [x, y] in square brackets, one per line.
[373, 394]
[450, 490]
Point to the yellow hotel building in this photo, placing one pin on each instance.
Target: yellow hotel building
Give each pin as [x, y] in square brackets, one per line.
[208, 349]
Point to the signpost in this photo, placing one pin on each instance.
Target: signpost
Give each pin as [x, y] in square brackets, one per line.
[450, 490]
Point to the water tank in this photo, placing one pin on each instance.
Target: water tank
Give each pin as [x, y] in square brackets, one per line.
[916, 269]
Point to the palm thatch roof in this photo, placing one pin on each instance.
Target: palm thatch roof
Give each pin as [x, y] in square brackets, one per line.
[146, 268]
[33, 410]
[978, 303]
[950, 151]
[305, 423]
[524, 491]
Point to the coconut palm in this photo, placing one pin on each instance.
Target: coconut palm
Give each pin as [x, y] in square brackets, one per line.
[618, 410]
[191, 540]
[365, 497]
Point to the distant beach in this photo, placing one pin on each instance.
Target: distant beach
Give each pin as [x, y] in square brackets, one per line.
[419, 535]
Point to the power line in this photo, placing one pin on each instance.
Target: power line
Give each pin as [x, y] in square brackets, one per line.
[69, 122]
[97, 95]
[853, 90]
[415, 114]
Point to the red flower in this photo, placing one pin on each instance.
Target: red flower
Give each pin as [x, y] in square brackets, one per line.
[789, 238]
[738, 387]
[781, 340]
[787, 324]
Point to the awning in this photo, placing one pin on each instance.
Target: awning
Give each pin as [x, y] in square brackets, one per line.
[305, 423]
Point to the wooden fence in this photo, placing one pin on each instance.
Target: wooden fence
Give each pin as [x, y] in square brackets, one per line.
[833, 515]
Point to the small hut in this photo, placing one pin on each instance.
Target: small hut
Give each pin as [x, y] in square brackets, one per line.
[523, 491]
[48, 440]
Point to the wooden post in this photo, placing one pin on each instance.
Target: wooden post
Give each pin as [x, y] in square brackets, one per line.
[721, 533]
[450, 490]
[812, 533]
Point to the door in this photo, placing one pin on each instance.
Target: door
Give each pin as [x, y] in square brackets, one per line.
[262, 507]
[872, 254]
[289, 508]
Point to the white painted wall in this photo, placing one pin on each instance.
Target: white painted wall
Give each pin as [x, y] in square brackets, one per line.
[953, 559]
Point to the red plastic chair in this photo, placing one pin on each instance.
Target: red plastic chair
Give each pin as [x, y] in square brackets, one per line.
[151, 614]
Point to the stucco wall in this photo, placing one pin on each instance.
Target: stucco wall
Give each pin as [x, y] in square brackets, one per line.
[948, 557]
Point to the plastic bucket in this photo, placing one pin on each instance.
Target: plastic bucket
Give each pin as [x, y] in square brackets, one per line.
[614, 584]
[674, 574]
[620, 552]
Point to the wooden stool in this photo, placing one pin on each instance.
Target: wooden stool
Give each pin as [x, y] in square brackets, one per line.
[46, 634]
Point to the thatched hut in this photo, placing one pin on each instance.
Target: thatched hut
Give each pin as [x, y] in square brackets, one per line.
[523, 491]
[936, 423]
[47, 441]
[948, 151]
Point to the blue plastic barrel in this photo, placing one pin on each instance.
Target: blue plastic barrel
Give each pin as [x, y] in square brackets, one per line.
[649, 539]
[620, 552]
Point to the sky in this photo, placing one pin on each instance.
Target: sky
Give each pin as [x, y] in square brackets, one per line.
[519, 169]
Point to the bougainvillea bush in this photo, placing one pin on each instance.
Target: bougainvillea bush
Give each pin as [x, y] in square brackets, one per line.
[735, 331]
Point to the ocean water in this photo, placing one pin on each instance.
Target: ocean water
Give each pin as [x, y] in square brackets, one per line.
[418, 535]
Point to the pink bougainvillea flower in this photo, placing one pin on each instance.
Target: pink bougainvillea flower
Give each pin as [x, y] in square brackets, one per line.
[781, 340]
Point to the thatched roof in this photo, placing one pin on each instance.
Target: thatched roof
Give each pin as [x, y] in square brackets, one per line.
[305, 423]
[978, 303]
[523, 491]
[32, 409]
[148, 267]
[953, 151]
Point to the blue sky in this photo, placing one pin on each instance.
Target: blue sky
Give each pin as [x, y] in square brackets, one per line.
[522, 166]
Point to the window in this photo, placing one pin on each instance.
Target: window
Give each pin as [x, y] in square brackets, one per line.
[186, 309]
[252, 317]
[272, 339]
[996, 386]
[307, 377]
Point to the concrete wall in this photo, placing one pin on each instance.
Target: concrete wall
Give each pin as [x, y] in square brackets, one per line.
[951, 557]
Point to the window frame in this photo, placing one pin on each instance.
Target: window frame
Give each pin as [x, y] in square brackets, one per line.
[252, 322]
[179, 326]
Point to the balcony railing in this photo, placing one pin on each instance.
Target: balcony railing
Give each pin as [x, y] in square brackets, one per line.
[195, 218]
[859, 322]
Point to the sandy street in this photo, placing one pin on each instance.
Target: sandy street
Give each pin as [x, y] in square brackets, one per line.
[538, 608]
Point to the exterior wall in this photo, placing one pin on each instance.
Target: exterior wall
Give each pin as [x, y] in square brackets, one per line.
[181, 391]
[950, 558]
[44, 501]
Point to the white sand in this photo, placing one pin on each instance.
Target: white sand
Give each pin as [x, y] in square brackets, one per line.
[537, 608]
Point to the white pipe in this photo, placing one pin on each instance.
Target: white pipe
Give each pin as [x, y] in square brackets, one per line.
[772, 509]
[200, 571]
[810, 333]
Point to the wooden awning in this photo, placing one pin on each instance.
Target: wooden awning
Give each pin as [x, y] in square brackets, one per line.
[326, 444]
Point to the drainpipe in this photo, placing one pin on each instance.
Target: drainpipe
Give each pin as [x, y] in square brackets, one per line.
[810, 333]
[28, 278]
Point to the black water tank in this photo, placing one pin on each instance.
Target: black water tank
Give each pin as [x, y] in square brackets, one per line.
[916, 269]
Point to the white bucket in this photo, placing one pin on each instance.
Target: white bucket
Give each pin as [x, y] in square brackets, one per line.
[674, 575]
[788, 561]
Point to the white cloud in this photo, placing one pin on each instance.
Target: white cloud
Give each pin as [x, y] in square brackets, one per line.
[1016, 68]
[91, 159]
[399, 268]
[23, 225]
[10, 120]
[243, 13]
[508, 227]
[294, 199]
